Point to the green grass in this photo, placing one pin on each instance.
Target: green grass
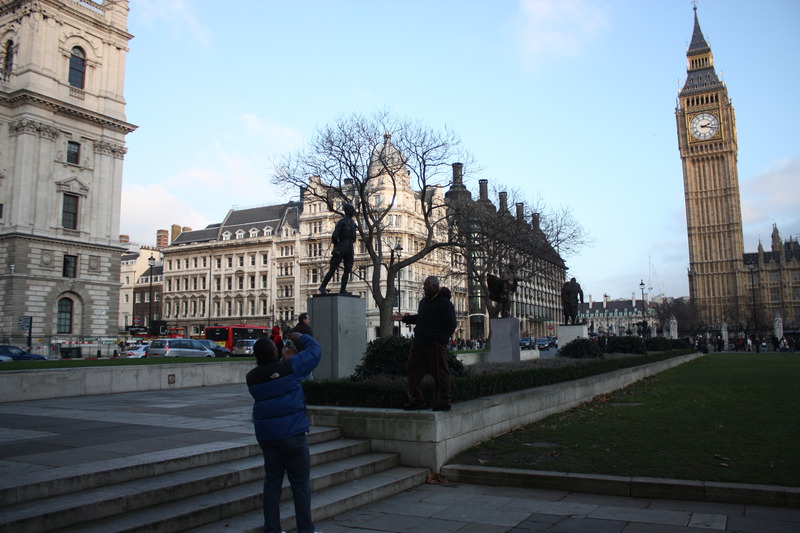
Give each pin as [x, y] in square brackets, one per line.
[724, 417]
[82, 363]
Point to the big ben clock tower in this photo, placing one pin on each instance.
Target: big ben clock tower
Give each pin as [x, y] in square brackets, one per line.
[708, 148]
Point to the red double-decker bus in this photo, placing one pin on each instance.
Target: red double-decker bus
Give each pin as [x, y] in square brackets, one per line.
[227, 336]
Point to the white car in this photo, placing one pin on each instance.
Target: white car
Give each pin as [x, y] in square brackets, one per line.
[135, 352]
[5, 359]
[178, 348]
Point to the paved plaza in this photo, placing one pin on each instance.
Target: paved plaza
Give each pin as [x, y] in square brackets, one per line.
[46, 438]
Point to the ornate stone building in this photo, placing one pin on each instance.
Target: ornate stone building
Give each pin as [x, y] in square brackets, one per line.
[62, 143]
[708, 148]
[751, 291]
[260, 266]
[772, 301]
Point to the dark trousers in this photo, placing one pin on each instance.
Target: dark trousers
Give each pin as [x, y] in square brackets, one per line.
[290, 456]
[428, 358]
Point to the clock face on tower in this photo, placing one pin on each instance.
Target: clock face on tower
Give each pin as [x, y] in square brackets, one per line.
[704, 126]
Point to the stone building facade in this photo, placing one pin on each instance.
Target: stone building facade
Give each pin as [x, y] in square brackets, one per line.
[259, 266]
[744, 291]
[62, 144]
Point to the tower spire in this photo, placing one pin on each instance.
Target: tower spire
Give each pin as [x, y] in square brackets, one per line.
[700, 73]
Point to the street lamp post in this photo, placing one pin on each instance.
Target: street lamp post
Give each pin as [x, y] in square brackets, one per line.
[151, 262]
[394, 254]
[644, 310]
[752, 268]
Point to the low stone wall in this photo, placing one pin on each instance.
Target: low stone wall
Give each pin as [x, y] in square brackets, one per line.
[422, 438]
[22, 385]
[430, 439]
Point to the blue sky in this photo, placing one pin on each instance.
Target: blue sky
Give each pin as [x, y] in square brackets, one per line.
[567, 101]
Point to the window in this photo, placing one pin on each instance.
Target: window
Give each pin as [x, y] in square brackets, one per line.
[8, 58]
[73, 153]
[64, 316]
[69, 212]
[77, 67]
[70, 266]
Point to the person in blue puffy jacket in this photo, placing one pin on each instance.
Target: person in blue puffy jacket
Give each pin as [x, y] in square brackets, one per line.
[281, 425]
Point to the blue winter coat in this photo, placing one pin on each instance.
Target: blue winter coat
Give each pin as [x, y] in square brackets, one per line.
[279, 411]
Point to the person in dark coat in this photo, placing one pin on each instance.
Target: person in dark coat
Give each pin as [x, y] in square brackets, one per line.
[281, 425]
[303, 325]
[435, 323]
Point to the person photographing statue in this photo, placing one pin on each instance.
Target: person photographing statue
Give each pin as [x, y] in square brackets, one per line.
[435, 323]
[343, 238]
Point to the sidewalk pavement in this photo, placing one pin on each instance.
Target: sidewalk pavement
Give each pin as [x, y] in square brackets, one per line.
[46, 437]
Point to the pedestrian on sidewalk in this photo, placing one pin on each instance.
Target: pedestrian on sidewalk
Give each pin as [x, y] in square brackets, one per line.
[435, 322]
[281, 426]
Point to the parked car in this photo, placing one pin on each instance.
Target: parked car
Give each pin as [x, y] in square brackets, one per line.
[219, 351]
[18, 354]
[136, 351]
[543, 343]
[178, 348]
[553, 341]
[243, 347]
[5, 359]
[525, 343]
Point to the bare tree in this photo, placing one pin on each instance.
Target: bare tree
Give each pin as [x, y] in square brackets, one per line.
[371, 162]
[520, 247]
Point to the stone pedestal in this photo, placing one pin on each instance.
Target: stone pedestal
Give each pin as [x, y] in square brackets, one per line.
[570, 333]
[340, 327]
[504, 344]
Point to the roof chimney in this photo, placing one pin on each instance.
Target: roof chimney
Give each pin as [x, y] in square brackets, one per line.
[162, 238]
[520, 211]
[535, 220]
[483, 185]
[503, 202]
[458, 173]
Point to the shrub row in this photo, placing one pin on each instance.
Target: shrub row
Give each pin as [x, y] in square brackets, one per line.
[390, 392]
[387, 356]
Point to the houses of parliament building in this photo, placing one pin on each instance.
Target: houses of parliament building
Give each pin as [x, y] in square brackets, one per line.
[746, 291]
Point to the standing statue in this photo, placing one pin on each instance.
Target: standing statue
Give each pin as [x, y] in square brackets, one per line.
[343, 237]
[500, 291]
[570, 292]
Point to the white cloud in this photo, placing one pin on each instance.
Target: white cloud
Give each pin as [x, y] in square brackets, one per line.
[176, 14]
[232, 173]
[557, 28]
[148, 208]
[771, 198]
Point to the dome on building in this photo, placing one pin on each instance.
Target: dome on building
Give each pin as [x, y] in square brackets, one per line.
[386, 158]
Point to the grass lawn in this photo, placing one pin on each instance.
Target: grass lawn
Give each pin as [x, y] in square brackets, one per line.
[729, 417]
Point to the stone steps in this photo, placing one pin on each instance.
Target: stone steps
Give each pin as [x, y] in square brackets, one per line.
[199, 488]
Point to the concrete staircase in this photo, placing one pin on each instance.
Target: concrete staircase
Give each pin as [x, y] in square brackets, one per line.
[207, 491]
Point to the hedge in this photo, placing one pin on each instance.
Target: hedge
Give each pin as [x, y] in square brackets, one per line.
[390, 392]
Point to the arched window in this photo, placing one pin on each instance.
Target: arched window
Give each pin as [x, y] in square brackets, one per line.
[8, 57]
[64, 319]
[77, 67]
